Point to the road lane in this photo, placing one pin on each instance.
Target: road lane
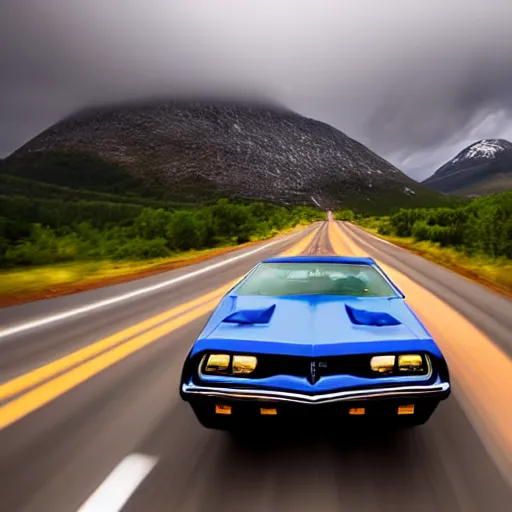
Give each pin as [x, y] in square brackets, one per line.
[55, 378]
[478, 358]
[487, 309]
[16, 318]
[440, 467]
[26, 351]
[321, 242]
[39, 375]
[41, 395]
[115, 491]
[47, 438]
[55, 458]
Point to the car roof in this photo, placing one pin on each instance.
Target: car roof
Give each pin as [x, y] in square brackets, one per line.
[351, 260]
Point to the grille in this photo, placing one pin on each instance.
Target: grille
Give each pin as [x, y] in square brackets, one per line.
[269, 366]
[315, 368]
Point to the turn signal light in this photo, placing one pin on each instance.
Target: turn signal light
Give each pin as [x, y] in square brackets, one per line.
[383, 364]
[406, 409]
[217, 363]
[242, 365]
[222, 409]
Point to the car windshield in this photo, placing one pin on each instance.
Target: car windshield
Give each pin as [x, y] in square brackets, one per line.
[316, 279]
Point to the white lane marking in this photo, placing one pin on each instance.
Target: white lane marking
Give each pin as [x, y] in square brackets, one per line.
[375, 236]
[114, 492]
[382, 240]
[129, 295]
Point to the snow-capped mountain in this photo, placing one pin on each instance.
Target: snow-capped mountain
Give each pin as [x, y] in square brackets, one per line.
[481, 168]
[486, 149]
[196, 150]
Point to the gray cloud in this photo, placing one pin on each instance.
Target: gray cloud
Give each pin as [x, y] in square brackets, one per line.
[414, 80]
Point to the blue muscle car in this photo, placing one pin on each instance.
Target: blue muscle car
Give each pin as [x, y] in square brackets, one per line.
[314, 336]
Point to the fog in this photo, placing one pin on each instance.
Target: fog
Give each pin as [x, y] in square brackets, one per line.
[415, 81]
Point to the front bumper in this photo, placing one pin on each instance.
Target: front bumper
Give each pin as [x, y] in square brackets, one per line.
[191, 391]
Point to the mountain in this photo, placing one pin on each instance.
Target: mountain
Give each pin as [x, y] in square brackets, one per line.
[482, 168]
[199, 150]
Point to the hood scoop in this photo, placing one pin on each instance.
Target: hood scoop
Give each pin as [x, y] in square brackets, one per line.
[251, 316]
[375, 318]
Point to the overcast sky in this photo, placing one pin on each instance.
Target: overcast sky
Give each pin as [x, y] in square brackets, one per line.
[415, 80]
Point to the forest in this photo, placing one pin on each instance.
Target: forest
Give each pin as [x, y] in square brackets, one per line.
[481, 227]
[47, 231]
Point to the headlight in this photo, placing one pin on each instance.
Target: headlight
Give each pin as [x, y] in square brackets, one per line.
[217, 363]
[244, 364]
[230, 365]
[411, 363]
[402, 364]
[382, 364]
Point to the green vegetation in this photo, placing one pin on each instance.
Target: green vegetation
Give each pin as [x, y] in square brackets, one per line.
[76, 174]
[77, 169]
[389, 202]
[73, 214]
[14, 186]
[72, 218]
[64, 277]
[347, 215]
[48, 231]
[86, 174]
[482, 227]
[474, 237]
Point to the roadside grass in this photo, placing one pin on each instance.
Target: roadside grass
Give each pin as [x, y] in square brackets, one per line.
[14, 281]
[496, 273]
[22, 285]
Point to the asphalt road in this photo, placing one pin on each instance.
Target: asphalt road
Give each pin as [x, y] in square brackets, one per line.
[109, 432]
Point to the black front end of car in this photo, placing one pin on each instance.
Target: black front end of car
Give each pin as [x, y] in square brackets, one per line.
[255, 400]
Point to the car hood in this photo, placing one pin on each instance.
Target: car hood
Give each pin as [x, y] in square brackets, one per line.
[310, 325]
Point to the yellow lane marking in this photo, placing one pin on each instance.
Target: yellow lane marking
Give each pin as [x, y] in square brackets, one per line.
[89, 365]
[301, 246]
[342, 244]
[482, 370]
[339, 244]
[34, 377]
[41, 395]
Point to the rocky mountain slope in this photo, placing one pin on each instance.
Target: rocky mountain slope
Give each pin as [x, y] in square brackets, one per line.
[195, 150]
[482, 168]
